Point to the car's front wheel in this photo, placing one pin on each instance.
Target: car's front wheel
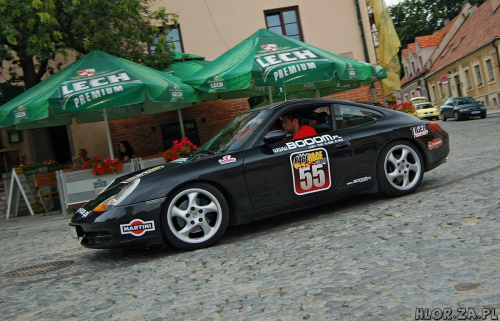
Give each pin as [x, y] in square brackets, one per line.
[195, 216]
[443, 117]
[400, 169]
[457, 116]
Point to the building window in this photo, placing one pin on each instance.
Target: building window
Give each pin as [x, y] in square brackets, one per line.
[491, 72]
[421, 63]
[434, 94]
[406, 73]
[413, 67]
[284, 22]
[479, 77]
[173, 37]
[172, 132]
[468, 79]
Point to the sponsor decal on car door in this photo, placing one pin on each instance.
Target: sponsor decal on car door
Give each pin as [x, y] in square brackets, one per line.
[311, 171]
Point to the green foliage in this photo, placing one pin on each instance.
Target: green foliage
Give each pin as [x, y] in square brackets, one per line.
[414, 18]
[32, 32]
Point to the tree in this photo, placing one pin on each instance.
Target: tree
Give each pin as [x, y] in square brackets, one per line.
[414, 18]
[32, 32]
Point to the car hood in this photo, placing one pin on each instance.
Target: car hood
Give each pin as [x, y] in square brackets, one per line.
[469, 106]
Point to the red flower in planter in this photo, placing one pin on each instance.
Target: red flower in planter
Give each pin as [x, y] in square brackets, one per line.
[182, 148]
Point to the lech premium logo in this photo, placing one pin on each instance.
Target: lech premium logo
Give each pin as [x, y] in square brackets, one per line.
[86, 72]
[92, 89]
[270, 47]
[352, 71]
[176, 92]
[99, 183]
[20, 112]
[286, 62]
[216, 83]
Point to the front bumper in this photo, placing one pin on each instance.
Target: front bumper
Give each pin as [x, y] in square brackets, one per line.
[429, 114]
[122, 226]
[473, 113]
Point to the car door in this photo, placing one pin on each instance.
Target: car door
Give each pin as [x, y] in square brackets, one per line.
[286, 171]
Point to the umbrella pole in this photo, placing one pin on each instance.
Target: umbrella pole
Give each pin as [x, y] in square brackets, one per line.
[181, 122]
[108, 134]
[270, 90]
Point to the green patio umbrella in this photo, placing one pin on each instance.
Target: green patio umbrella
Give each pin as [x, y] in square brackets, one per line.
[270, 64]
[97, 87]
[184, 69]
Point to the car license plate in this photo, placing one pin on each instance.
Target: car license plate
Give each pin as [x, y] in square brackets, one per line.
[74, 233]
[475, 112]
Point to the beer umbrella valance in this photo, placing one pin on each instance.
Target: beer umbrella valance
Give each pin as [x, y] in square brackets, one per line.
[270, 64]
[97, 87]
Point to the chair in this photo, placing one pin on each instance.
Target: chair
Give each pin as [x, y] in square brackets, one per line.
[323, 123]
[45, 184]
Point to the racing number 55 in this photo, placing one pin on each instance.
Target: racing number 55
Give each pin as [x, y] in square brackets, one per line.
[309, 177]
[311, 171]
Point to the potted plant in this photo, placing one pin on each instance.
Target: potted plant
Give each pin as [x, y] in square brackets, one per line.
[180, 149]
[105, 166]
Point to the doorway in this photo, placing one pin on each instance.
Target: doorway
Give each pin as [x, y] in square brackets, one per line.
[458, 85]
[51, 143]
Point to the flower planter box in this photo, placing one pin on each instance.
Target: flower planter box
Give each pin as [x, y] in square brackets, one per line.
[105, 170]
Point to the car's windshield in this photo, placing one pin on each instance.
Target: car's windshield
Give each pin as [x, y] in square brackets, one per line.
[464, 101]
[424, 106]
[236, 133]
[418, 101]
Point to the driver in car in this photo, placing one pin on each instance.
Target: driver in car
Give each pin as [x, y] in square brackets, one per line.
[292, 124]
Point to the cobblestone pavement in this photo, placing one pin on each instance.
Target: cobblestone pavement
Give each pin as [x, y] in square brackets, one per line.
[366, 258]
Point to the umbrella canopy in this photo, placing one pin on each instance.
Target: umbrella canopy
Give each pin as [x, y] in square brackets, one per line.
[97, 87]
[184, 69]
[267, 63]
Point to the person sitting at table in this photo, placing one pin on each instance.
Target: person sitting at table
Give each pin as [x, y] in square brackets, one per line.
[126, 152]
[79, 161]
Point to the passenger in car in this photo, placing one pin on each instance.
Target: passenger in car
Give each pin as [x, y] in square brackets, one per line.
[292, 124]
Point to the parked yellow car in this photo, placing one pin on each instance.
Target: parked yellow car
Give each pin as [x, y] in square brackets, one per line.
[426, 111]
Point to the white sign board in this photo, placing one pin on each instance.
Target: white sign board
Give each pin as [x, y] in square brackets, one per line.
[19, 183]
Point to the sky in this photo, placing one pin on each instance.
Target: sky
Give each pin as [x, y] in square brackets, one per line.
[391, 2]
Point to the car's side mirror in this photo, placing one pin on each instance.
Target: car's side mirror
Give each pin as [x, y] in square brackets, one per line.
[275, 136]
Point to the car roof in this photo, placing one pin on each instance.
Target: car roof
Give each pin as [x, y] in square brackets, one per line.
[312, 101]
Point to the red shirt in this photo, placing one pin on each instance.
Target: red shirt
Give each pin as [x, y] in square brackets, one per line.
[305, 131]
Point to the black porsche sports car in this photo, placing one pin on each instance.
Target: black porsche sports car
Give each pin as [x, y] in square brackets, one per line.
[250, 170]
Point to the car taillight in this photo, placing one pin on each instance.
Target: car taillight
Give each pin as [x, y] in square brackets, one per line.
[434, 127]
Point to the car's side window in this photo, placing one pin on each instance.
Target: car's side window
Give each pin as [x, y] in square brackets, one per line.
[319, 118]
[347, 116]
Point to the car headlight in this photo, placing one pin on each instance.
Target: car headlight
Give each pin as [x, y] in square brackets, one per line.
[118, 198]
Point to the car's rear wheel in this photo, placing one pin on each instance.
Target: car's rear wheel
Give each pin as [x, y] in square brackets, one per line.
[195, 216]
[443, 117]
[400, 169]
